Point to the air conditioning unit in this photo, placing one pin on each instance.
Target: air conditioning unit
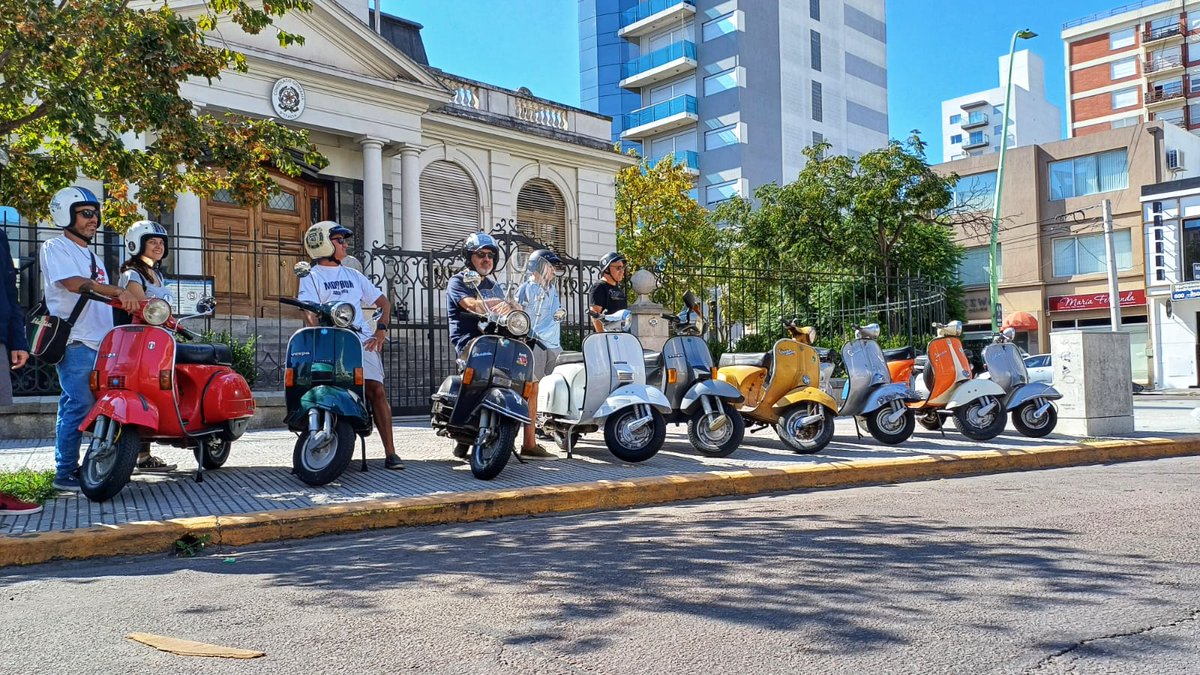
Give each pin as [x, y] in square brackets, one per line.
[1175, 160]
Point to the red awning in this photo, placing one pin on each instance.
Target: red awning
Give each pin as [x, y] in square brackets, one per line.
[1020, 321]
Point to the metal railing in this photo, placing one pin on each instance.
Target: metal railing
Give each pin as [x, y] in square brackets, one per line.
[1165, 94]
[1162, 32]
[649, 8]
[1156, 64]
[974, 141]
[684, 49]
[652, 113]
[975, 119]
[1096, 16]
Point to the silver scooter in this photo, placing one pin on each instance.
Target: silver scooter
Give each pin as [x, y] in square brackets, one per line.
[605, 385]
[1033, 414]
[869, 393]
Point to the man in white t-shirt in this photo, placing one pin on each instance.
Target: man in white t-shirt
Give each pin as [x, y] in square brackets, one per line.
[70, 268]
[331, 281]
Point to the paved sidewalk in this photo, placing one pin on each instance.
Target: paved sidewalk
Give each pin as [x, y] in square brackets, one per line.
[257, 477]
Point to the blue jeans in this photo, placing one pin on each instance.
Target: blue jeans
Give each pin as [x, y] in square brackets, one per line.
[73, 406]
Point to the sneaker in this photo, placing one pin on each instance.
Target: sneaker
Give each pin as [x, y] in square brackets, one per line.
[69, 484]
[11, 506]
[461, 450]
[537, 452]
[393, 462]
[154, 464]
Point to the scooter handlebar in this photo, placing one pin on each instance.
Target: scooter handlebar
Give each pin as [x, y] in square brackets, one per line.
[306, 306]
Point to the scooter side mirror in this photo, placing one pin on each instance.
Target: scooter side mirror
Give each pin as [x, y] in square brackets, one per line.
[206, 305]
[472, 279]
[302, 268]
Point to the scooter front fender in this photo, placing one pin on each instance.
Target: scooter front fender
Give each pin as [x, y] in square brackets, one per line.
[710, 388]
[972, 389]
[505, 402]
[888, 393]
[124, 406]
[342, 402]
[633, 394]
[805, 395]
[1028, 392]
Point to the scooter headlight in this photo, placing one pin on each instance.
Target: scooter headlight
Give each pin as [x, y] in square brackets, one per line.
[868, 332]
[952, 329]
[1009, 333]
[342, 314]
[517, 323]
[156, 312]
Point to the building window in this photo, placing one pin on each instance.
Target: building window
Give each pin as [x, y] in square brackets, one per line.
[976, 137]
[1103, 172]
[1125, 98]
[1120, 39]
[1171, 117]
[1123, 68]
[815, 48]
[1126, 122]
[1191, 250]
[975, 192]
[720, 82]
[678, 145]
[1084, 254]
[956, 119]
[719, 192]
[719, 138]
[956, 139]
[814, 9]
[818, 138]
[818, 113]
[997, 130]
[974, 266]
[722, 25]
[1193, 82]
[684, 87]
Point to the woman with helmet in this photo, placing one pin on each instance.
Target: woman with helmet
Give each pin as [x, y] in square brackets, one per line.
[70, 268]
[464, 307]
[607, 294]
[146, 243]
[328, 244]
[539, 298]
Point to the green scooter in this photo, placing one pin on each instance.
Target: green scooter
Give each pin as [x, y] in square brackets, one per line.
[325, 391]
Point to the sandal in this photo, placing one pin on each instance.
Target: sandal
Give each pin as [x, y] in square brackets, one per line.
[153, 464]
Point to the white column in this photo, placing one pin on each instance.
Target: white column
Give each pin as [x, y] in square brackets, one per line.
[373, 233]
[189, 258]
[134, 141]
[410, 198]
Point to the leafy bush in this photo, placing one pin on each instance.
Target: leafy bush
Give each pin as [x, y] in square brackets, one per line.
[244, 352]
[28, 485]
[571, 341]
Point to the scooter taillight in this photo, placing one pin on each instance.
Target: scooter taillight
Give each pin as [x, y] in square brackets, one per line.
[358, 377]
[164, 380]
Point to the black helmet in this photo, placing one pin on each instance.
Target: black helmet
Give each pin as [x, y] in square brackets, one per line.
[608, 260]
[477, 241]
[544, 256]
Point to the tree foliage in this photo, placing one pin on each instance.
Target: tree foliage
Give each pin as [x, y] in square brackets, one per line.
[660, 225]
[77, 74]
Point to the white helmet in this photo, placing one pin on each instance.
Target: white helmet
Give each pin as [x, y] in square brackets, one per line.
[316, 239]
[65, 201]
[135, 238]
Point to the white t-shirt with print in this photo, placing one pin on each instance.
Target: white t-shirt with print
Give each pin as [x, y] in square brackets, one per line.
[62, 259]
[339, 283]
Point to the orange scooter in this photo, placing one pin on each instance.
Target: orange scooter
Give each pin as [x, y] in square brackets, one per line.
[900, 364]
[977, 405]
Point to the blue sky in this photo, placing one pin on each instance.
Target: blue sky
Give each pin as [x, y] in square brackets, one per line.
[937, 49]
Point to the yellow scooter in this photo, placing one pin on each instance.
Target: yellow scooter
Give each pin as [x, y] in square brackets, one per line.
[782, 389]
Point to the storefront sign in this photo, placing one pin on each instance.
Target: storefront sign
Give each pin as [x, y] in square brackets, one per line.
[1073, 303]
[1186, 290]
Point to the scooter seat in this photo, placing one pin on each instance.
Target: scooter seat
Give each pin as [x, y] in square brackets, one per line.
[824, 354]
[203, 354]
[756, 359]
[899, 354]
[569, 357]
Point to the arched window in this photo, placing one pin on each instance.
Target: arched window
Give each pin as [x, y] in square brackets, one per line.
[449, 205]
[542, 214]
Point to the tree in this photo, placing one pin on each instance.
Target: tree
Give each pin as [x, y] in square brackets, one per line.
[660, 226]
[75, 75]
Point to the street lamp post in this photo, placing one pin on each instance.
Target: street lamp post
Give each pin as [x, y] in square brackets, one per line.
[1024, 34]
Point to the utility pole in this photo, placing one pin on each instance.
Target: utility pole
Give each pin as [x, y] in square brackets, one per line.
[1110, 253]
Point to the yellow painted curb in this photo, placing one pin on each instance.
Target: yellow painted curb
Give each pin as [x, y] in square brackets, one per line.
[254, 528]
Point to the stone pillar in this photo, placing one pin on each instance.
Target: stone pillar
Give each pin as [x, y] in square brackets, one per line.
[410, 198]
[1093, 373]
[373, 227]
[189, 240]
[648, 323]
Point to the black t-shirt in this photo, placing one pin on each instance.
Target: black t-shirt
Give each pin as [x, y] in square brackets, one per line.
[610, 298]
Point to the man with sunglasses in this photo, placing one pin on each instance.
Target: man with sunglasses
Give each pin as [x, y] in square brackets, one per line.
[464, 307]
[607, 294]
[69, 269]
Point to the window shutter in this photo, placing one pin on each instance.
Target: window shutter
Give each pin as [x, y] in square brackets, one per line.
[542, 214]
[449, 205]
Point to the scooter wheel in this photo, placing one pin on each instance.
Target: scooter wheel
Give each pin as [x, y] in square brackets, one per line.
[488, 460]
[719, 443]
[560, 439]
[931, 422]
[890, 433]
[976, 426]
[1034, 427]
[810, 439]
[637, 445]
[105, 470]
[318, 466]
[215, 453]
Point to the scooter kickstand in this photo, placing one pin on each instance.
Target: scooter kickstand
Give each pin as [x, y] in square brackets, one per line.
[570, 444]
[199, 450]
[363, 443]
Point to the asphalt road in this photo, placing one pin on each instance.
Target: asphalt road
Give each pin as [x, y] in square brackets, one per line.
[1086, 570]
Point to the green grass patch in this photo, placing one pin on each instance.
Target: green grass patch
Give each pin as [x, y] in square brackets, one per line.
[28, 485]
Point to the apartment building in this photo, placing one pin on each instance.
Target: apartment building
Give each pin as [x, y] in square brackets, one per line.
[1052, 261]
[1133, 63]
[736, 89]
[973, 124]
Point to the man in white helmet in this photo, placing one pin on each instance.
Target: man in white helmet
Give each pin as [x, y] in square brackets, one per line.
[328, 245]
[70, 268]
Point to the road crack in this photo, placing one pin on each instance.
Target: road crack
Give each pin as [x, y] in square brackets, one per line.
[1191, 616]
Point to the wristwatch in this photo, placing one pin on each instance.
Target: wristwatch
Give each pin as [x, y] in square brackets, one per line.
[381, 326]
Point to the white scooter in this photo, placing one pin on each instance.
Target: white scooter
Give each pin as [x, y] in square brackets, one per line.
[605, 385]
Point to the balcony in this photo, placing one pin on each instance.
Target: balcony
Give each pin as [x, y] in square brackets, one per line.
[1162, 33]
[477, 99]
[690, 159]
[975, 120]
[655, 119]
[659, 65]
[972, 142]
[977, 103]
[1164, 97]
[651, 15]
[1163, 65]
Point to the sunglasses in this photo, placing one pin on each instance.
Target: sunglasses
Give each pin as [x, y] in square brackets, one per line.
[338, 240]
[485, 255]
[87, 213]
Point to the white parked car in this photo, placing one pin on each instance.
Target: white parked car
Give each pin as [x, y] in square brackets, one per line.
[1038, 366]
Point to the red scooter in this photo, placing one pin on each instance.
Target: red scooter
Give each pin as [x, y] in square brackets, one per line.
[150, 388]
